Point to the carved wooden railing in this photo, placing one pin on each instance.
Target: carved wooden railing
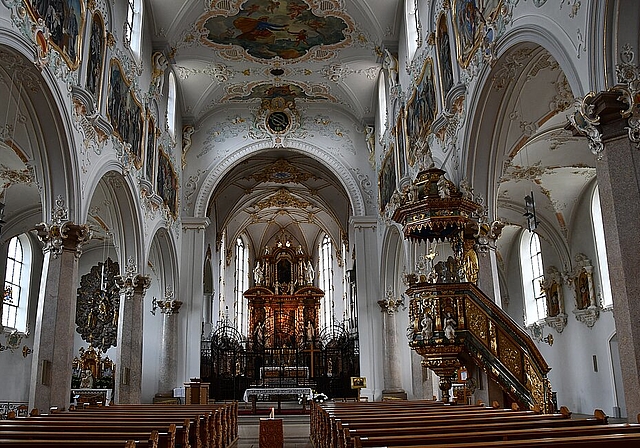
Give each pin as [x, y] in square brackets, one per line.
[451, 323]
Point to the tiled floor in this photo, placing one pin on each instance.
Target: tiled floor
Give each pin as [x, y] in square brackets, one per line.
[295, 429]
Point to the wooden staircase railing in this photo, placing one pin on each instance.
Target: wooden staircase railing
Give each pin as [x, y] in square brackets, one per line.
[452, 322]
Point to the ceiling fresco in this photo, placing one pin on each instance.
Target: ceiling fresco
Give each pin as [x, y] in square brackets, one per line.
[285, 29]
[288, 92]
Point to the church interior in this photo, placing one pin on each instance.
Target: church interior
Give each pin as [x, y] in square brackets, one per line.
[378, 200]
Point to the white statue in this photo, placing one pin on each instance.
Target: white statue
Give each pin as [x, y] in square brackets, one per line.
[443, 187]
[187, 132]
[160, 64]
[450, 327]
[258, 274]
[390, 63]
[309, 273]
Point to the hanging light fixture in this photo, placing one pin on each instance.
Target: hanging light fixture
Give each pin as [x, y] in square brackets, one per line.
[530, 212]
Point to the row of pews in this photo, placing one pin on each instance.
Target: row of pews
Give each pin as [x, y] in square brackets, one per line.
[431, 423]
[126, 426]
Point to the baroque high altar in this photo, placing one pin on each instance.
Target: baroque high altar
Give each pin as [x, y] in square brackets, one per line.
[283, 304]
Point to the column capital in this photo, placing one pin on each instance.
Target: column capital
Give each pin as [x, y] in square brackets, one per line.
[169, 307]
[67, 236]
[390, 304]
[132, 282]
[195, 223]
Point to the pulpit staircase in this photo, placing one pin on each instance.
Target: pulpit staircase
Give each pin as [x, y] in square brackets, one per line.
[452, 322]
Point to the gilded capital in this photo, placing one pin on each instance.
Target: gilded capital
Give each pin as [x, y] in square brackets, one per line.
[66, 236]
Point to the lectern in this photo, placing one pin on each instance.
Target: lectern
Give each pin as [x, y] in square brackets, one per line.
[271, 434]
[196, 392]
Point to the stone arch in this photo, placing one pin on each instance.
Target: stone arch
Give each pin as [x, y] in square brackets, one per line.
[392, 256]
[348, 180]
[44, 134]
[125, 207]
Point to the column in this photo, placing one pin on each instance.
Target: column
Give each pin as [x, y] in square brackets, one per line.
[192, 292]
[392, 380]
[368, 286]
[614, 139]
[129, 351]
[55, 321]
[168, 349]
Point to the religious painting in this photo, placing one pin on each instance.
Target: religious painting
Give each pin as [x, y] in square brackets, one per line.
[286, 29]
[150, 148]
[65, 21]
[95, 62]
[125, 112]
[401, 143]
[421, 111]
[358, 382]
[469, 19]
[444, 56]
[583, 299]
[167, 183]
[387, 180]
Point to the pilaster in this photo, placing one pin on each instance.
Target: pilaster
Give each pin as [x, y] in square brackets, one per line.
[392, 379]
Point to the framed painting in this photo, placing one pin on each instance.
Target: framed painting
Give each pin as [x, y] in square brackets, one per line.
[445, 65]
[125, 112]
[387, 180]
[96, 57]
[401, 144]
[65, 21]
[150, 152]
[421, 111]
[469, 19]
[167, 183]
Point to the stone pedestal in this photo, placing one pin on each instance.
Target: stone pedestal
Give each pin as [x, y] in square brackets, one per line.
[55, 321]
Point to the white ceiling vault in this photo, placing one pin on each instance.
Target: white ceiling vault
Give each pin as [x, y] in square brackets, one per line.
[323, 55]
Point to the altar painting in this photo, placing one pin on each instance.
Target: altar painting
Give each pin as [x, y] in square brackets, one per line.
[95, 63]
[387, 180]
[150, 147]
[469, 20]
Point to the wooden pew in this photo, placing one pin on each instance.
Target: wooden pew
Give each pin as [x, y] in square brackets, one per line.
[78, 443]
[489, 437]
[168, 436]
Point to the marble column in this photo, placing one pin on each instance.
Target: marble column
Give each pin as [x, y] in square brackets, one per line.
[55, 321]
[392, 379]
[611, 137]
[168, 350]
[128, 387]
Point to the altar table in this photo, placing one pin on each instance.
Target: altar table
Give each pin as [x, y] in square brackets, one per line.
[252, 393]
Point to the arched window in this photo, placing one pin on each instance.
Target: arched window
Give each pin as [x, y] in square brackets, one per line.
[601, 249]
[16, 284]
[133, 27]
[242, 284]
[171, 105]
[532, 277]
[411, 27]
[325, 274]
[382, 104]
[222, 310]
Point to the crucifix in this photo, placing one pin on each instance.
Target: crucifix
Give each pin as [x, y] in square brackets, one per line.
[312, 350]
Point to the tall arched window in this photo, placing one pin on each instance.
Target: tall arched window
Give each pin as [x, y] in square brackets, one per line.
[16, 284]
[133, 27]
[532, 277]
[325, 274]
[171, 105]
[601, 249]
[242, 284]
[222, 310]
[411, 27]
